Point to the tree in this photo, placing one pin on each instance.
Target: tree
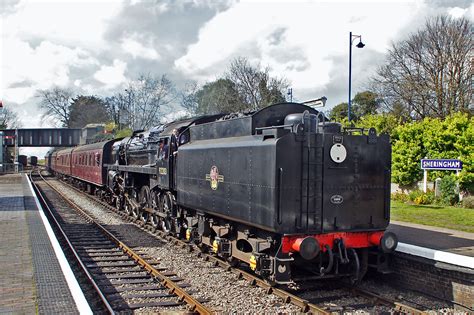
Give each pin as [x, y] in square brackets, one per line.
[9, 119]
[145, 97]
[429, 73]
[56, 104]
[365, 103]
[117, 108]
[220, 96]
[338, 112]
[255, 85]
[87, 110]
[383, 123]
[189, 98]
[140, 105]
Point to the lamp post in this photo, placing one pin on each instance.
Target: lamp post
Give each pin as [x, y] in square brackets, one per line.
[130, 109]
[359, 45]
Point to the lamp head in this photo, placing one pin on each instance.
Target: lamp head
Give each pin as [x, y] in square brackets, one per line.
[360, 45]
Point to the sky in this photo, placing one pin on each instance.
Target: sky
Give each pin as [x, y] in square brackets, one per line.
[95, 47]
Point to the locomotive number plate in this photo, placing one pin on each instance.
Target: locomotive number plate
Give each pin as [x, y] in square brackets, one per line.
[337, 199]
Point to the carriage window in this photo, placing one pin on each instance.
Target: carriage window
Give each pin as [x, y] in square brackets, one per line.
[97, 159]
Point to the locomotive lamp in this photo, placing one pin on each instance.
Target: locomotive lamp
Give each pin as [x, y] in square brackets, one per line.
[359, 45]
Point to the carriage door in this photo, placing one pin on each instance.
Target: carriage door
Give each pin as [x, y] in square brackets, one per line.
[163, 163]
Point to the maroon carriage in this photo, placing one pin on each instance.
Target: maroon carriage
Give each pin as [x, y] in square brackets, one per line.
[61, 161]
[88, 161]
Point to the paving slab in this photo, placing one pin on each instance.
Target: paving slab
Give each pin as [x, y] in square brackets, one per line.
[31, 279]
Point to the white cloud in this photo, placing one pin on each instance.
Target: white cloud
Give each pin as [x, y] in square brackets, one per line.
[112, 75]
[458, 12]
[70, 43]
[41, 42]
[317, 29]
[136, 49]
[43, 66]
[80, 23]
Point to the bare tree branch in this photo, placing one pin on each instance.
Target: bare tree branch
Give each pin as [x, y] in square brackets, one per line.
[56, 103]
[9, 119]
[429, 72]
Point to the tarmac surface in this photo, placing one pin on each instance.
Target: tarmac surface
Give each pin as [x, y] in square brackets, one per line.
[451, 241]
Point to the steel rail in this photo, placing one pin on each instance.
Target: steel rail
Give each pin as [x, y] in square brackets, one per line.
[288, 297]
[402, 308]
[254, 280]
[45, 205]
[194, 304]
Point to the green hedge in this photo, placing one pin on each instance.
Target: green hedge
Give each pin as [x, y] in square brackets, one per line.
[449, 138]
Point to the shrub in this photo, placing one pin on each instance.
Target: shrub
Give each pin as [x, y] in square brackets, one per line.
[399, 196]
[412, 195]
[449, 190]
[468, 202]
[420, 198]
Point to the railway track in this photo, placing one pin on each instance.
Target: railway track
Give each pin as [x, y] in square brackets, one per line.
[333, 301]
[124, 280]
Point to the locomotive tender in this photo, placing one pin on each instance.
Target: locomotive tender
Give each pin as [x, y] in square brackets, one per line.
[276, 189]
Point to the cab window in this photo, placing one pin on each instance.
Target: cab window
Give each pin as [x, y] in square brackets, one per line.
[163, 149]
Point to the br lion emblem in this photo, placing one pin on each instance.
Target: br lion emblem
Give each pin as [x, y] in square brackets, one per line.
[214, 177]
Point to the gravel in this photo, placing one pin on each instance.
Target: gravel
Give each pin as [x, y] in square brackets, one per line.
[222, 290]
[410, 298]
[225, 293]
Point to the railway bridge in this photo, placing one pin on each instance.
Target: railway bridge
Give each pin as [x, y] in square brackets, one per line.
[41, 137]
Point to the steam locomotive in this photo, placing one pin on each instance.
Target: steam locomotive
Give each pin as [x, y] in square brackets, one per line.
[279, 189]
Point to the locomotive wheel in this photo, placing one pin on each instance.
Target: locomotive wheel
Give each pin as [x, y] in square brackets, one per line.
[145, 199]
[167, 208]
[135, 210]
[166, 203]
[136, 213]
[119, 203]
[154, 221]
[155, 204]
[128, 208]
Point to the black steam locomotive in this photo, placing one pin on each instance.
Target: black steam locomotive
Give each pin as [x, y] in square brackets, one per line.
[275, 189]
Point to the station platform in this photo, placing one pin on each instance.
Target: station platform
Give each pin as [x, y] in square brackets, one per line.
[440, 244]
[34, 274]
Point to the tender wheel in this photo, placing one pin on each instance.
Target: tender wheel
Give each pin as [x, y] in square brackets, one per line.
[145, 200]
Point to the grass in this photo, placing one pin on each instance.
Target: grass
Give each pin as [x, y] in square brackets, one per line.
[441, 216]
